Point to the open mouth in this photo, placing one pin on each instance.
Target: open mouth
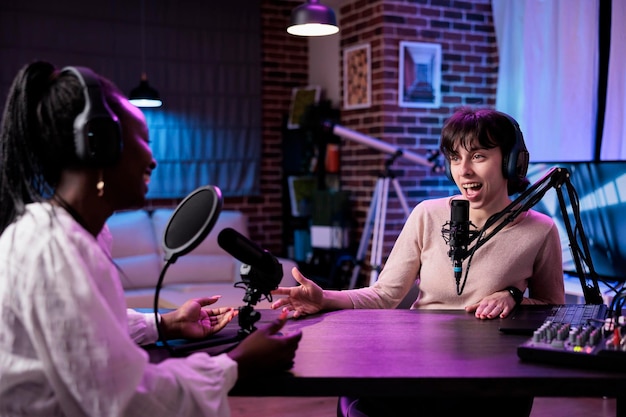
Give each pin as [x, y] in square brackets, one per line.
[472, 188]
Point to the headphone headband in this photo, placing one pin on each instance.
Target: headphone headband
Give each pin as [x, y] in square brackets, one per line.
[97, 132]
[515, 163]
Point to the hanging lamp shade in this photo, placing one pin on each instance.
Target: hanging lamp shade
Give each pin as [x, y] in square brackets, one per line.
[143, 95]
[313, 19]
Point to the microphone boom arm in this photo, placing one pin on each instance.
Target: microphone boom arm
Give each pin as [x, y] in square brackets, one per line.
[556, 178]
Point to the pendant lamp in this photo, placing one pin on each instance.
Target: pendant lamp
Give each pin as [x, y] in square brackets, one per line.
[313, 19]
[143, 95]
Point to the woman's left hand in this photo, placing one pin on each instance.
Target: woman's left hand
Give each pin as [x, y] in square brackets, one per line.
[499, 304]
[193, 320]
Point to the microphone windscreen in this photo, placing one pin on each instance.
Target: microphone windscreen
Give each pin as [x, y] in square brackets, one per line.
[459, 211]
[266, 271]
[192, 221]
[240, 247]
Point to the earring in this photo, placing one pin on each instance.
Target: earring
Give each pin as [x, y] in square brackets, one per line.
[100, 185]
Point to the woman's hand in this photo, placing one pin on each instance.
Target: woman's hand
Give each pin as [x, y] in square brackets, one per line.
[193, 320]
[307, 298]
[499, 304]
[266, 350]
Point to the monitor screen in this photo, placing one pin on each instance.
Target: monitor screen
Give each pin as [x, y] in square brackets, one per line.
[601, 189]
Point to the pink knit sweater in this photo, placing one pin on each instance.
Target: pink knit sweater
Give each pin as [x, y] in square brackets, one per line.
[525, 254]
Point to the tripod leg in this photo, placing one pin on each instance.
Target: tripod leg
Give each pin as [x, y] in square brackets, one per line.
[379, 231]
[405, 206]
[367, 231]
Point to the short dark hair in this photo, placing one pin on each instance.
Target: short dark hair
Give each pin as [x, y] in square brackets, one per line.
[491, 129]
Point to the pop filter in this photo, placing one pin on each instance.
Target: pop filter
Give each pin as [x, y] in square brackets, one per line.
[191, 222]
[188, 226]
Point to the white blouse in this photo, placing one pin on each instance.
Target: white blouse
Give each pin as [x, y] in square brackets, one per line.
[65, 345]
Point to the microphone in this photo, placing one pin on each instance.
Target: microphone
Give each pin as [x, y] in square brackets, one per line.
[264, 272]
[459, 235]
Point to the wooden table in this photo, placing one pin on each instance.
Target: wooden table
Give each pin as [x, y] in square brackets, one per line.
[421, 353]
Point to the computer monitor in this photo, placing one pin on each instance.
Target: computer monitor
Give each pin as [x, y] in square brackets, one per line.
[601, 188]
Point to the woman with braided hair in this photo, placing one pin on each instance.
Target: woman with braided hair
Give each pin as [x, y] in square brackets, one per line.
[73, 150]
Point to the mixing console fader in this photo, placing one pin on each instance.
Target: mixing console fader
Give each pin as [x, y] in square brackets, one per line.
[600, 346]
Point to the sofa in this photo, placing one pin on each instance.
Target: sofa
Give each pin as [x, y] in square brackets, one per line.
[206, 271]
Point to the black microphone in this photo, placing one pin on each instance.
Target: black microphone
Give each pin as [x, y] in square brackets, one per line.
[261, 273]
[459, 235]
[267, 270]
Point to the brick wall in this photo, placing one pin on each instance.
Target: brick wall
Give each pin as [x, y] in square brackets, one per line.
[469, 74]
[469, 71]
[285, 66]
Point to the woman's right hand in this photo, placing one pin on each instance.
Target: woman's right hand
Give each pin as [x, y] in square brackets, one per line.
[306, 298]
[265, 350]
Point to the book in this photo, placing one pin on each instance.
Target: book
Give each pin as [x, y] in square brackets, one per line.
[301, 190]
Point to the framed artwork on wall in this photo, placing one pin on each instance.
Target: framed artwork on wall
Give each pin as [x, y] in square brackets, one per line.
[419, 82]
[301, 98]
[357, 79]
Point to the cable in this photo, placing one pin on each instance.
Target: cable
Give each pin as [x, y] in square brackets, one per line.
[459, 290]
[157, 319]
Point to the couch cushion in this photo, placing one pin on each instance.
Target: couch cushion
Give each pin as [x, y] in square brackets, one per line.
[227, 218]
[207, 263]
[173, 295]
[137, 237]
[135, 249]
[202, 268]
[132, 233]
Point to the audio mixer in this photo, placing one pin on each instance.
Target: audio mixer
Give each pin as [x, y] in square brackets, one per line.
[594, 345]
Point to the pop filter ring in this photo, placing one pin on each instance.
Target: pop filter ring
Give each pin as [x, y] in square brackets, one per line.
[192, 205]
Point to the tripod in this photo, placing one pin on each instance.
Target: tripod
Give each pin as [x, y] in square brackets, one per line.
[375, 224]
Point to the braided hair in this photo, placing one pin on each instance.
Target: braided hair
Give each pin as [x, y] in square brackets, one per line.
[36, 136]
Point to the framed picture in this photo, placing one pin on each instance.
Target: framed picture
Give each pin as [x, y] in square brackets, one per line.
[420, 75]
[357, 78]
[301, 98]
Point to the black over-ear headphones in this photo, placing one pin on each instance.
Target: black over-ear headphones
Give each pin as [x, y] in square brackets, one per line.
[515, 163]
[97, 132]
